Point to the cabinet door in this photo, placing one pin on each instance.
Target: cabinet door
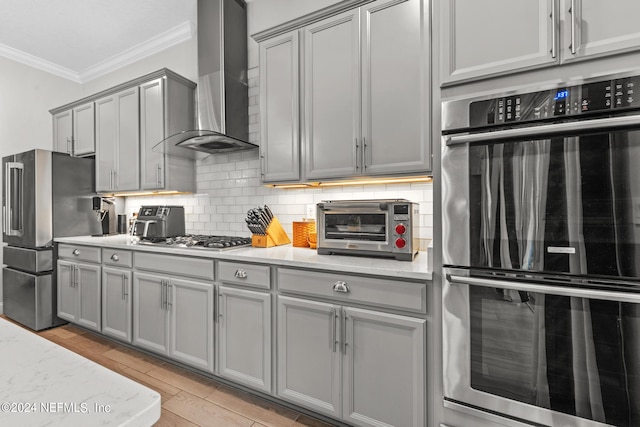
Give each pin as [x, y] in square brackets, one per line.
[395, 87]
[127, 170]
[332, 97]
[597, 28]
[487, 38]
[66, 291]
[152, 131]
[116, 303]
[309, 355]
[244, 340]
[150, 319]
[89, 296]
[84, 142]
[280, 108]
[62, 132]
[191, 314]
[106, 141]
[384, 369]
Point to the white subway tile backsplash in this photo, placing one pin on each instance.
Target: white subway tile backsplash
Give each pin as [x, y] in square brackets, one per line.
[228, 185]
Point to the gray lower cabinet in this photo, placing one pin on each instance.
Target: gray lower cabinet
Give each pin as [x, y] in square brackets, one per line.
[308, 337]
[244, 337]
[79, 293]
[368, 366]
[174, 317]
[116, 303]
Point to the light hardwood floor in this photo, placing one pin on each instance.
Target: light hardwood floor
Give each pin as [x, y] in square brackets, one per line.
[188, 399]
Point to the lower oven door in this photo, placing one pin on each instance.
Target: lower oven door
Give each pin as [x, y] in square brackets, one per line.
[543, 353]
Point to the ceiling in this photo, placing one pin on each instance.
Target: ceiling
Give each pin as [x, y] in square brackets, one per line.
[83, 39]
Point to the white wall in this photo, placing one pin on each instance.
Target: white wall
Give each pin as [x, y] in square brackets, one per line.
[26, 96]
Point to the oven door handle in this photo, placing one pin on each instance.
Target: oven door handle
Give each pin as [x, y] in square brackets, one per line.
[374, 205]
[538, 132]
[547, 289]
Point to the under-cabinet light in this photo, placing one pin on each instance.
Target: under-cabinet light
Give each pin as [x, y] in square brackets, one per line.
[372, 181]
[147, 193]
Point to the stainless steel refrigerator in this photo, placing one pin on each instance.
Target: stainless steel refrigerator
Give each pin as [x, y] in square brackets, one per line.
[45, 195]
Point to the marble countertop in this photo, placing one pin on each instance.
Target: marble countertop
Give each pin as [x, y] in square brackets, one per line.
[286, 255]
[45, 384]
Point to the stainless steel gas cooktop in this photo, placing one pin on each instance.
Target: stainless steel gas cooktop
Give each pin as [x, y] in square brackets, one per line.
[199, 241]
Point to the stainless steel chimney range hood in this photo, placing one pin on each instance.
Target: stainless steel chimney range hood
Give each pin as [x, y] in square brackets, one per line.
[223, 117]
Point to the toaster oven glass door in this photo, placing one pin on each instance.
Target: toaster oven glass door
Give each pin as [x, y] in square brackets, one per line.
[363, 227]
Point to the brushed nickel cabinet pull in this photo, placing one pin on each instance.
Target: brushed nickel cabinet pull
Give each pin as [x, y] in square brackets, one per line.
[340, 286]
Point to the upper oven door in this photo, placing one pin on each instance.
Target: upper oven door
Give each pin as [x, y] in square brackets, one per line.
[567, 202]
[544, 353]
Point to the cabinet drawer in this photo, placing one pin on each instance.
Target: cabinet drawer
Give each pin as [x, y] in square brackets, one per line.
[244, 274]
[79, 253]
[367, 290]
[117, 258]
[174, 265]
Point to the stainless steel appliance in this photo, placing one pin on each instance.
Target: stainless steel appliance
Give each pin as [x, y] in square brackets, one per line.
[159, 222]
[105, 209]
[201, 241]
[541, 249]
[45, 195]
[223, 119]
[385, 228]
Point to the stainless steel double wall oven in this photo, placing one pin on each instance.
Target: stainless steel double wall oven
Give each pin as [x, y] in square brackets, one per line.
[541, 253]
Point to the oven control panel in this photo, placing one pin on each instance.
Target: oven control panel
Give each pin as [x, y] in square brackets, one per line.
[599, 96]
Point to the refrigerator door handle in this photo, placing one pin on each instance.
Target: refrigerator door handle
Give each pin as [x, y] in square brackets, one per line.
[14, 198]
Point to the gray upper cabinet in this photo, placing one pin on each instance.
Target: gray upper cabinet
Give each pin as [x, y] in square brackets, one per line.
[487, 39]
[597, 28]
[83, 130]
[117, 142]
[73, 130]
[63, 131]
[167, 106]
[363, 106]
[280, 108]
[129, 123]
[395, 87]
[332, 96]
[483, 39]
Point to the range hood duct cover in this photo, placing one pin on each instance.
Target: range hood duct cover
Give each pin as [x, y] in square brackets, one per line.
[222, 93]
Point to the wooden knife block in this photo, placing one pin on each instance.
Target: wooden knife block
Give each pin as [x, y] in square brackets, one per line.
[275, 236]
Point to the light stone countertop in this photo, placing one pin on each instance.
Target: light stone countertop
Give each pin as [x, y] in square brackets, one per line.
[45, 384]
[285, 255]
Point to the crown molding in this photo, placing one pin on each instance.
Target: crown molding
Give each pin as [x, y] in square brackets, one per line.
[150, 47]
[39, 63]
[169, 38]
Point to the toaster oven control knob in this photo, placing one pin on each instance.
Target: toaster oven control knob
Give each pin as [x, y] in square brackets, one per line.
[401, 229]
[400, 243]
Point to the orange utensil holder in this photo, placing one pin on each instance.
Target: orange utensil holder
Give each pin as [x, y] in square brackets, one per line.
[301, 231]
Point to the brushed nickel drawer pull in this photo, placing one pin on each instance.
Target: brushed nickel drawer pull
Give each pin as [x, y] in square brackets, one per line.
[115, 257]
[241, 274]
[341, 286]
[76, 252]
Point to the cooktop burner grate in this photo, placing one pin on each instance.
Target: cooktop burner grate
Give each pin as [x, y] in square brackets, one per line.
[199, 241]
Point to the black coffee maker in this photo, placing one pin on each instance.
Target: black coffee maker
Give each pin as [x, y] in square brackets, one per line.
[105, 209]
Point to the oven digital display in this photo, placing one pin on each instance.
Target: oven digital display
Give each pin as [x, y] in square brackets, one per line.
[561, 94]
